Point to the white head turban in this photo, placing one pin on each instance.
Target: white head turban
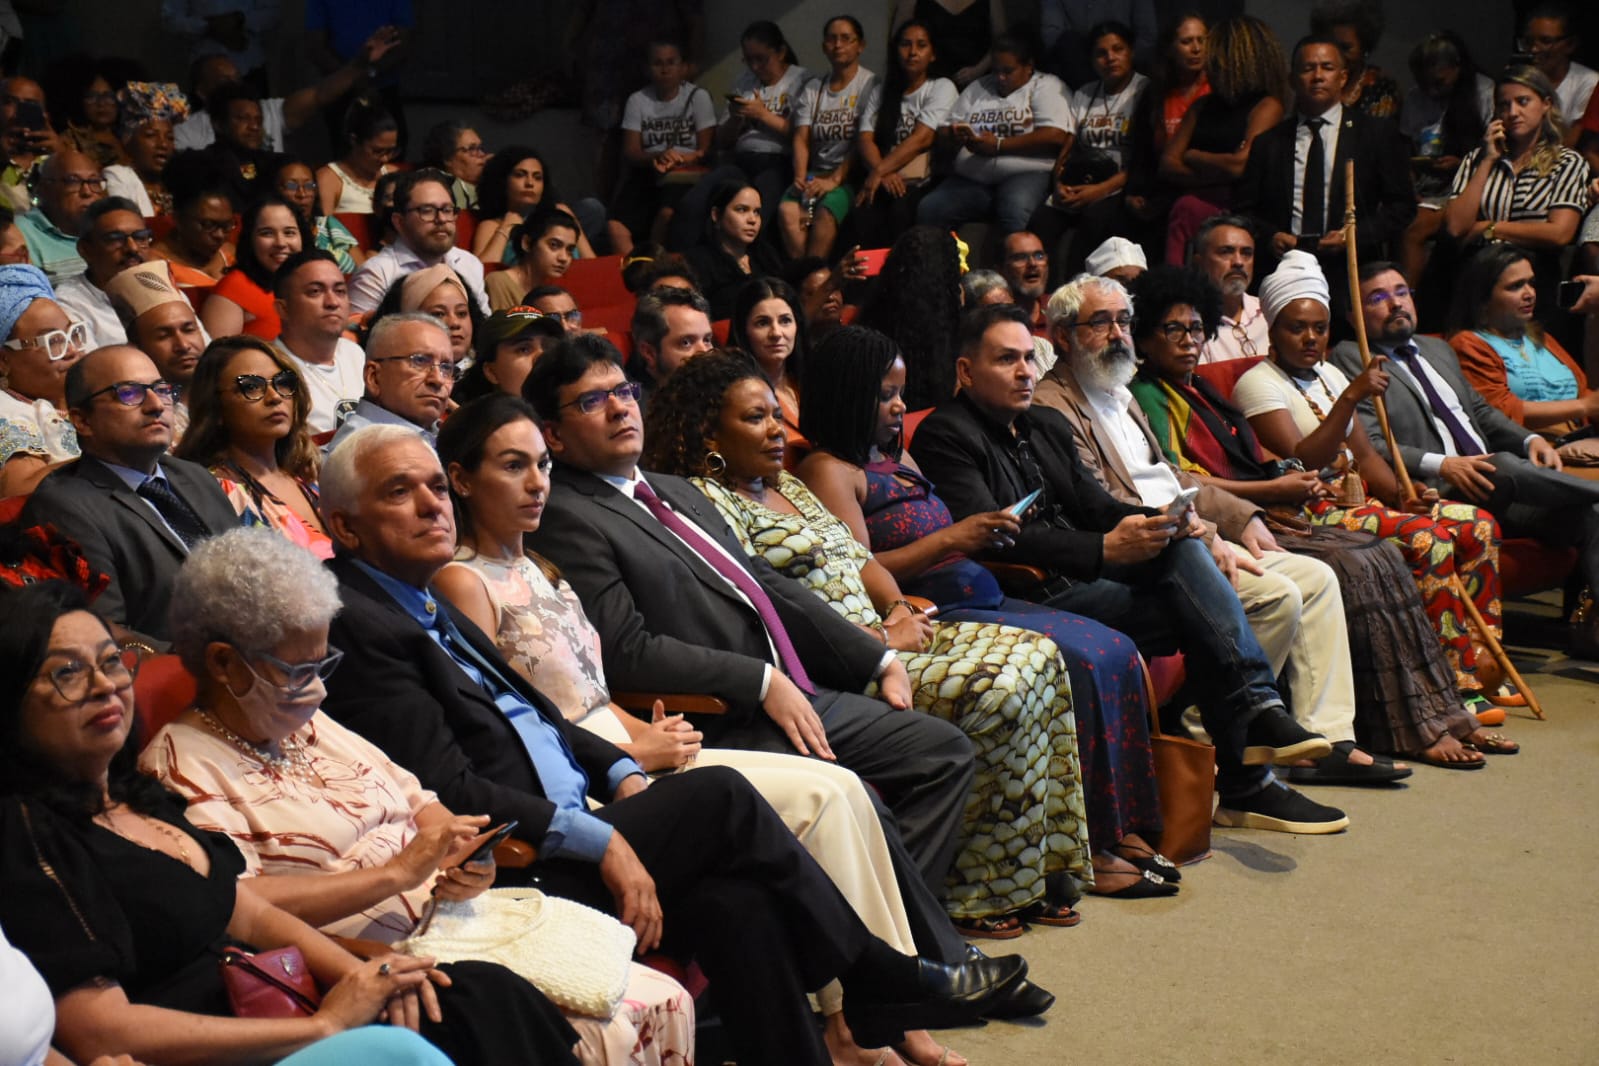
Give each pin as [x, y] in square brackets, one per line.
[1116, 252]
[1297, 277]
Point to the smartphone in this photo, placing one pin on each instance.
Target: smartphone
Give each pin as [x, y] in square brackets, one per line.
[1019, 508]
[873, 260]
[486, 849]
[1180, 503]
[29, 114]
[1569, 292]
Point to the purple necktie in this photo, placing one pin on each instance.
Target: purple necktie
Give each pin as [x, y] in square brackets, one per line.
[1464, 444]
[701, 545]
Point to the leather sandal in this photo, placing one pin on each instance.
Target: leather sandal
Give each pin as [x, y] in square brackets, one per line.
[993, 927]
[1058, 915]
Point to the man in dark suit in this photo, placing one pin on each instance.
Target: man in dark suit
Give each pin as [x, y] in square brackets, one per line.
[1453, 440]
[1294, 180]
[673, 619]
[1123, 564]
[134, 510]
[696, 862]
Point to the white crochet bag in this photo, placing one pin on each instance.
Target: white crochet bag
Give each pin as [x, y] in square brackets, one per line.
[575, 955]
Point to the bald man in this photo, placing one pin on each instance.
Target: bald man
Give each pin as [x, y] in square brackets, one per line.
[134, 510]
[68, 183]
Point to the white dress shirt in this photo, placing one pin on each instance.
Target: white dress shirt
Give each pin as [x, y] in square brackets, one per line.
[1334, 117]
[1432, 462]
[1157, 485]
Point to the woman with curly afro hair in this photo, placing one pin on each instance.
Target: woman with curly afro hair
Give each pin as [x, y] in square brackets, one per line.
[716, 422]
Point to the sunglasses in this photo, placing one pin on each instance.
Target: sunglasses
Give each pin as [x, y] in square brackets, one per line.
[253, 386]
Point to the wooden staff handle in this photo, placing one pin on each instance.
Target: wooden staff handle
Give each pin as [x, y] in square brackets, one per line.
[1397, 461]
[1495, 648]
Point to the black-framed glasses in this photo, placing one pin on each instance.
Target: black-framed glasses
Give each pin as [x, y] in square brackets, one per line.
[594, 399]
[74, 678]
[1176, 331]
[253, 386]
[1101, 323]
[298, 186]
[142, 238]
[131, 393]
[433, 212]
[423, 363]
[74, 182]
[55, 342]
[297, 677]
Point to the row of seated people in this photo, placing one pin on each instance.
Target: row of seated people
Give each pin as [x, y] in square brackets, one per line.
[712, 395]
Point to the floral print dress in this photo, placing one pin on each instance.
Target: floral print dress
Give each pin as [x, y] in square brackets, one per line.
[1006, 688]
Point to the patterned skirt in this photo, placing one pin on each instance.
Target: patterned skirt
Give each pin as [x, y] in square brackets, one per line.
[1008, 690]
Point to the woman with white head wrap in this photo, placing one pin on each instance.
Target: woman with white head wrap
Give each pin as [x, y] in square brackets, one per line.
[1301, 407]
[41, 342]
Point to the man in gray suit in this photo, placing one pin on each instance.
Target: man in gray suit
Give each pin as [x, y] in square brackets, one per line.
[134, 510]
[680, 607]
[1453, 440]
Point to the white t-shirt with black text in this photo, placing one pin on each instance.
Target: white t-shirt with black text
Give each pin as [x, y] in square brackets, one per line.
[833, 117]
[929, 106]
[1039, 104]
[1105, 121]
[781, 98]
[335, 387]
[674, 123]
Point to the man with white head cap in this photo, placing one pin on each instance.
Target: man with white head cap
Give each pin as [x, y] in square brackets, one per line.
[1293, 602]
[160, 321]
[1118, 259]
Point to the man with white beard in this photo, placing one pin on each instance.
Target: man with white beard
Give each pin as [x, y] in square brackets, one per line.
[1224, 249]
[1292, 602]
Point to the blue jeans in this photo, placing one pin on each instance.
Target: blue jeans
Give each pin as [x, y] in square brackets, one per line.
[959, 200]
[1180, 600]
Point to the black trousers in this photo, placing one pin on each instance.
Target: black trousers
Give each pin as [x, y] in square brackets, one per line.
[741, 896]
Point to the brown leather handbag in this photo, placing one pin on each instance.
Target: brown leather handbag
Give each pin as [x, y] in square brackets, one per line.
[1185, 776]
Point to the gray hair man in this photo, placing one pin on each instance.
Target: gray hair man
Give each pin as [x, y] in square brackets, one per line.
[409, 375]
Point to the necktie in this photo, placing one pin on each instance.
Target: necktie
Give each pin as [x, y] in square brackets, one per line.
[700, 545]
[1313, 208]
[1465, 444]
[174, 511]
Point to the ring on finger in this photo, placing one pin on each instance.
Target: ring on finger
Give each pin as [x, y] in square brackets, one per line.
[384, 970]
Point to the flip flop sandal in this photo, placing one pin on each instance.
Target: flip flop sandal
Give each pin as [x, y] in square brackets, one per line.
[996, 927]
[1059, 915]
[1448, 764]
[1493, 744]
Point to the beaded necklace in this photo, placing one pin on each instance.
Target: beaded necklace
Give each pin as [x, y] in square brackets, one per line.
[159, 826]
[1351, 493]
[295, 762]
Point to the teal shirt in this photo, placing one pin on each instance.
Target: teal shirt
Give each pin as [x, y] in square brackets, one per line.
[1533, 372]
[51, 251]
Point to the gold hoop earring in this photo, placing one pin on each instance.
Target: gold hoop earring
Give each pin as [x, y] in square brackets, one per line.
[715, 464]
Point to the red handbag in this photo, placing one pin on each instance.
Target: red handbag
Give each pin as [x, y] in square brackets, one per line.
[269, 984]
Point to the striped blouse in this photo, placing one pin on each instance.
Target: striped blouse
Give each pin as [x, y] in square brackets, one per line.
[1528, 196]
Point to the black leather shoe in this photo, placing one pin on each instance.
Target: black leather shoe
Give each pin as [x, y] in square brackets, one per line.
[1022, 1000]
[1274, 737]
[945, 996]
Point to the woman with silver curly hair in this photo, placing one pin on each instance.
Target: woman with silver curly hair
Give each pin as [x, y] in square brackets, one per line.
[330, 829]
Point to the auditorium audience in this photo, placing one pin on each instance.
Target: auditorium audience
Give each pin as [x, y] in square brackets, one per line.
[114, 238]
[409, 373]
[668, 128]
[729, 251]
[918, 305]
[200, 243]
[158, 319]
[371, 140]
[769, 325]
[292, 179]
[147, 111]
[670, 326]
[455, 148]
[1548, 34]
[67, 183]
[547, 243]
[507, 345]
[1357, 25]
[514, 182]
[313, 304]
[424, 219]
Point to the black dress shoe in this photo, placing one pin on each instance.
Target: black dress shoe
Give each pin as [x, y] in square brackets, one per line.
[944, 996]
[1022, 1000]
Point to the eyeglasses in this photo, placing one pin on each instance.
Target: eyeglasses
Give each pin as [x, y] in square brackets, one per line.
[298, 186]
[74, 678]
[141, 238]
[433, 212]
[56, 342]
[1176, 331]
[423, 363]
[594, 399]
[1101, 323]
[573, 317]
[1527, 43]
[1019, 258]
[253, 386]
[75, 182]
[297, 677]
[472, 149]
[131, 393]
[840, 38]
[1378, 297]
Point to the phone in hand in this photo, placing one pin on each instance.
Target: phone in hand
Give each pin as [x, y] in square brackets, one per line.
[1019, 508]
[495, 838]
[29, 115]
[1569, 292]
[1180, 503]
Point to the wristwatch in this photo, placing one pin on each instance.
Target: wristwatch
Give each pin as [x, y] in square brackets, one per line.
[1488, 234]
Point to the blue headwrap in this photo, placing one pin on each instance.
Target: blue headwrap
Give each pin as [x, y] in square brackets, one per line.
[20, 285]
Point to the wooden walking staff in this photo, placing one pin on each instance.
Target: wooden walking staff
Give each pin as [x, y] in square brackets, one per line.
[1406, 487]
